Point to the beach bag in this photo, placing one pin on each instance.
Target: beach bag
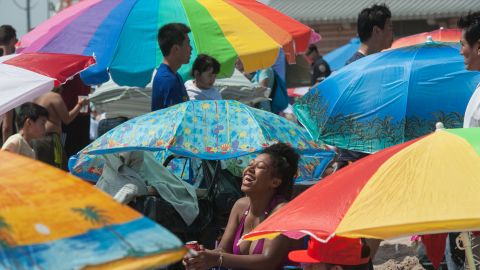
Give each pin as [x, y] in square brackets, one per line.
[279, 94]
[224, 191]
[162, 212]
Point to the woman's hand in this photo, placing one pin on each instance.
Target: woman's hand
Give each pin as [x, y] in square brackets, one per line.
[205, 259]
[82, 101]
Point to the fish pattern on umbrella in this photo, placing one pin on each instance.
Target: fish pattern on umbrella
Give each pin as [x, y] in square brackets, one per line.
[218, 129]
[310, 167]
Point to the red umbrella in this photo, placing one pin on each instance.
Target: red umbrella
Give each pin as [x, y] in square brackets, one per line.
[440, 35]
[24, 77]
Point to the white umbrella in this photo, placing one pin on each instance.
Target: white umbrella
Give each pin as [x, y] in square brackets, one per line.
[24, 77]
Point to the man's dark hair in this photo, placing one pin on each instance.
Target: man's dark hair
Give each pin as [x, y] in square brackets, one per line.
[171, 34]
[31, 111]
[7, 33]
[471, 26]
[204, 63]
[375, 15]
[311, 48]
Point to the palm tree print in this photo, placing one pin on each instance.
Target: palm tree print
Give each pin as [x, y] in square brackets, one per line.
[370, 134]
[6, 242]
[93, 215]
[100, 217]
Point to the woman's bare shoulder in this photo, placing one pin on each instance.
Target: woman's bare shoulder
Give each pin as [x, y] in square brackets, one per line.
[239, 208]
[242, 203]
[280, 205]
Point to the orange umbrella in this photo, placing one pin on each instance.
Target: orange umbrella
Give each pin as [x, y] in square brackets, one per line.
[52, 220]
[441, 35]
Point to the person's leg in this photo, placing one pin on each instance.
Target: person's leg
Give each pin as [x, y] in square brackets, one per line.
[44, 151]
[59, 157]
[77, 135]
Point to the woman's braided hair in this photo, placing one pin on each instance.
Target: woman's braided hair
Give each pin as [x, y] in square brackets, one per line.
[285, 163]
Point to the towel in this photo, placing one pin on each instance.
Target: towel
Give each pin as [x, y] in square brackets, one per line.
[142, 169]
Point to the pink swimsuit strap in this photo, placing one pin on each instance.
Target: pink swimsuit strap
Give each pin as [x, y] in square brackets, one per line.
[276, 200]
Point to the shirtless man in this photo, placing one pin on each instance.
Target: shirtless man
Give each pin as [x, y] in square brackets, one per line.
[50, 149]
[8, 39]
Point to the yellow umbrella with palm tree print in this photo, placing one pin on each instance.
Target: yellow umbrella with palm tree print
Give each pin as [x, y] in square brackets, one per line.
[52, 220]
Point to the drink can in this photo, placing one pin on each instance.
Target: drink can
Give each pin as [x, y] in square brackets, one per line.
[84, 108]
[193, 245]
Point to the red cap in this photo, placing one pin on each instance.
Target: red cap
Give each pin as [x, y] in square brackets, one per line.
[338, 250]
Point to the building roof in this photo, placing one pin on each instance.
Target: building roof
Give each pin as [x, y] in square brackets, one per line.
[314, 11]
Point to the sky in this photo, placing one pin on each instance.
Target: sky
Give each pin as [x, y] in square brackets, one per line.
[13, 15]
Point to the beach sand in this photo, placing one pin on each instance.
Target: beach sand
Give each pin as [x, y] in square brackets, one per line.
[397, 254]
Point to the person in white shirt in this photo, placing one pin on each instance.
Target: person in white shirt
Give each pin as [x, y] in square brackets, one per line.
[31, 121]
[204, 71]
[470, 42]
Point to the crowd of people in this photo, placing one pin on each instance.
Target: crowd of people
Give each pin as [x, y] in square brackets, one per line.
[37, 130]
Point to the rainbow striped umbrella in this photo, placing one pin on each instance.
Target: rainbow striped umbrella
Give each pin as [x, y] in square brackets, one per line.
[424, 186]
[122, 34]
[52, 220]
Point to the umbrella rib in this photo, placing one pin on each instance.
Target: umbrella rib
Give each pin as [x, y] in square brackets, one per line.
[408, 89]
[256, 123]
[176, 127]
[193, 39]
[115, 50]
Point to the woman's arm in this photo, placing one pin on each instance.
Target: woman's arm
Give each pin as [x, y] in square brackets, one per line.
[61, 109]
[226, 243]
[272, 257]
[228, 237]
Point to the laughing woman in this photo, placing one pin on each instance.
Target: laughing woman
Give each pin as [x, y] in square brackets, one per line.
[267, 183]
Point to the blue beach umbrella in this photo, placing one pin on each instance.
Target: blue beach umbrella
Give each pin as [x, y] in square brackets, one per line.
[390, 97]
[213, 130]
[310, 167]
[337, 58]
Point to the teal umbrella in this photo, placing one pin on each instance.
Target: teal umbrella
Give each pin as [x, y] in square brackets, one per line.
[214, 130]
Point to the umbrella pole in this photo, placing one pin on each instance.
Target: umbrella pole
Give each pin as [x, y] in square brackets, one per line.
[467, 244]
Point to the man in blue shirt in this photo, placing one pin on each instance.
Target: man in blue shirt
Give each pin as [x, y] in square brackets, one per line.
[168, 88]
[375, 30]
